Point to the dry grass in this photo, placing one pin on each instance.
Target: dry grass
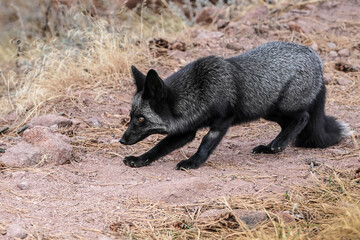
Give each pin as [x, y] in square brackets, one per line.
[330, 209]
[91, 53]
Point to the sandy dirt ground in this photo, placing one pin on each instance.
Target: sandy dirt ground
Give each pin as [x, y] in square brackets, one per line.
[83, 198]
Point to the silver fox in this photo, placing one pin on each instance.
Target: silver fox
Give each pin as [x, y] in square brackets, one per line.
[277, 81]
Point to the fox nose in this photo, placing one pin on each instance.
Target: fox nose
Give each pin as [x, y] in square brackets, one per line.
[122, 141]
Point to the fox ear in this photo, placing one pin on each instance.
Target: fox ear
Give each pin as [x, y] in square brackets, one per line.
[139, 78]
[154, 86]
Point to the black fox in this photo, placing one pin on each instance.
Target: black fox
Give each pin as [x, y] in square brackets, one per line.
[277, 81]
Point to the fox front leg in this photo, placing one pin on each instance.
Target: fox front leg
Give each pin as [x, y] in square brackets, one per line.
[165, 146]
[208, 144]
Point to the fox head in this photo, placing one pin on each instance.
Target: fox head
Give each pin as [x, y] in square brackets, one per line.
[149, 107]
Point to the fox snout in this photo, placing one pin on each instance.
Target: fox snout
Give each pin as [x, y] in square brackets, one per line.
[127, 140]
[122, 141]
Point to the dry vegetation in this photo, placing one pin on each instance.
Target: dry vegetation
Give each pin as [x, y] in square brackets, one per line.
[86, 52]
[46, 63]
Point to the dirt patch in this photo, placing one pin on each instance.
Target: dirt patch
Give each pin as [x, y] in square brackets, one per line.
[82, 199]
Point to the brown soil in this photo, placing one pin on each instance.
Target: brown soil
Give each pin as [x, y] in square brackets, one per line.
[83, 198]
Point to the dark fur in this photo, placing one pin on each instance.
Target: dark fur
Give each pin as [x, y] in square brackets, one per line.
[278, 81]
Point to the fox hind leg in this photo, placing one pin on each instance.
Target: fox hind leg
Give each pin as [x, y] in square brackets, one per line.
[291, 126]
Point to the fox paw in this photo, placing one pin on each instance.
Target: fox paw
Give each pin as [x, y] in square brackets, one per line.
[262, 149]
[133, 161]
[187, 164]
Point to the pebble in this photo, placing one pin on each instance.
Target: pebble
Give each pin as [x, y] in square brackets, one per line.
[94, 122]
[333, 54]
[234, 46]
[344, 52]
[326, 79]
[14, 230]
[331, 45]
[23, 185]
[315, 47]
[343, 81]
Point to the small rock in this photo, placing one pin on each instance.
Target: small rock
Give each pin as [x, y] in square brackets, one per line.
[39, 144]
[315, 47]
[344, 52]
[225, 217]
[331, 45]
[21, 155]
[206, 16]
[23, 185]
[343, 81]
[14, 230]
[50, 120]
[94, 122]
[326, 79]
[235, 46]
[333, 54]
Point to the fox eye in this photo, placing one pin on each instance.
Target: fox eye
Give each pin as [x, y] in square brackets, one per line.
[141, 119]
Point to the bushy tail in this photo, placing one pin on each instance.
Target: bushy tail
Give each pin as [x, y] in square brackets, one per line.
[321, 131]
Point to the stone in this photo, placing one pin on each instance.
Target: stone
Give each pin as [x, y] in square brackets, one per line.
[94, 122]
[21, 155]
[23, 185]
[333, 54]
[235, 46]
[225, 217]
[326, 79]
[206, 16]
[15, 231]
[344, 52]
[315, 47]
[343, 81]
[39, 145]
[331, 45]
[50, 120]
[56, 146]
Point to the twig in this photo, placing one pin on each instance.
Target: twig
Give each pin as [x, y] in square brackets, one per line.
[4, 129]
[23, 128]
